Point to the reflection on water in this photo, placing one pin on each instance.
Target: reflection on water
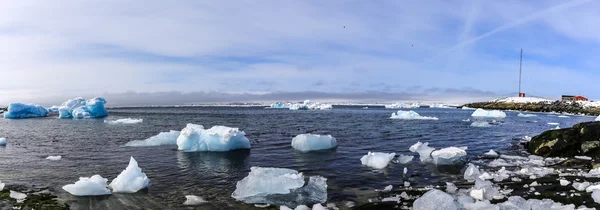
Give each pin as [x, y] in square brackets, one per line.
[214, 162]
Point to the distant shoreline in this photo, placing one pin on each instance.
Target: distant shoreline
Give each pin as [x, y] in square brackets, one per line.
[557, 106]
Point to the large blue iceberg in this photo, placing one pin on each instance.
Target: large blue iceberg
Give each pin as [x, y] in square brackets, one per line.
[20, 110]
[79, 108]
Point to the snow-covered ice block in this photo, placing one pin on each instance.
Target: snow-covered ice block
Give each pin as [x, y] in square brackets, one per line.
[410, 115]
[280, 186]
[490, 154]
[481, 124]
[131, 180]
[488, 113]
[451, 188]
[20, 110]
[435, 200]
[218, 138]
[2, 141]
[377, 160]
[54, 157]
[404, 159]
[163, 138]
[449, 156]
[424, 151]
[95, 185]
[472, 173]
[313, 142]
[124, 121]
[525, 115]
[192, 200]
[564, 182]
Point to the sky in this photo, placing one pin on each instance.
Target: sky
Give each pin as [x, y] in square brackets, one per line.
[180, 52]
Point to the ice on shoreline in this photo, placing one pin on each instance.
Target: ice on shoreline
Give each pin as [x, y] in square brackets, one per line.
[124, 121]
[488, 113]
[192, 200]
[218, 138]
[525, 115]
[130, 180]
[313, 142]
[424, 151]
[95, 185]
[410, 115]
[163, 138]
[20, 110]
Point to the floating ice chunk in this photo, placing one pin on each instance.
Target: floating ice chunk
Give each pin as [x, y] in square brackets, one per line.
[527, 138]
[467, 108]
[490, 154]
[525, 115]
[395, 198]
[318, 206]
[564, 182]
[19, 110]
[481, 205]
[592, 188]
[563, 116]
[449, 156]
[95, 185]
[486, 176]
[95, 106]
[131, 180]
[583, 158]
[596, 196]
[387, 188]
[534, 184]
[377, 160]
[124, 121]
[79, 108]
[597, 119]
[2, 141]
[163, 138]
[54, 157]
[406, 184]
[218, 138]
[20, 197]
[481, 124]
[466, 120]
[553, 123]
[435, 200]
[477, 194]
[451, 188]
[424, 151]
[2, 186]
[313, 142]
[471, 173]
[81, 113]
[410, 115]
[404, 159]
[488, 113]
[287, 208]
[581, 186]
[280, 186]
[192, 200]
[556, 128]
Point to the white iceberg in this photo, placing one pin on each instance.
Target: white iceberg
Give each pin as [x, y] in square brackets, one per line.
[525, 115]
[313, 142]
[424, 151]
[131, 180]
[435, 200]
[20, 110]
[308, 105]
[192, 200]
[79, 108]
[2, 141]
[404, 159]
[279, 105]
[488, 113]
[410, 115]
[377, 160]
[95, 185]
[481, 124]
[280, 186]
[124, 121]
[54, 157]
[449, 156]
[218, 138]
[20, 197]
[163, 138]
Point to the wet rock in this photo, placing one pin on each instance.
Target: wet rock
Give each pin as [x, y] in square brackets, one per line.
[580, 140]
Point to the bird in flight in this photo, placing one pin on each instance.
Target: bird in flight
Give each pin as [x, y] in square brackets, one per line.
[344, 26]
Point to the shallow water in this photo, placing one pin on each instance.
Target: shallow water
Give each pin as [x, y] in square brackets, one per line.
[91, 147]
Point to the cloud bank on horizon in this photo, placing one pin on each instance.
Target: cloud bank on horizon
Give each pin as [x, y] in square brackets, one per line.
[215, 51]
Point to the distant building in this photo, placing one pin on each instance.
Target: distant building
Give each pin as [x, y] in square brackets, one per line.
[522, 95]
[574, 98]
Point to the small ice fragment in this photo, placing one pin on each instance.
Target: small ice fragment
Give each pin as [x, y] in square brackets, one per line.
[435, 199]
[95, 185]
[583, 158]
[451, 188]
[486, 176]
[58, 157]
[490, 154]
[481, 124]
[564, 182]
[262, 205]
[123, 121]
[192, 200]
[410, 115]
[525, 115]
[592, 188]
[302, 207]
[449, 156]
[395, 198]
[131, 180]
[406, 184]
[553, 123]
[2, 186]
[377, 160]
[477, 194]
[285, 208]
[2, 141]
[424, 151]
[563, 116]
[318, 206]
[163, 138]
[596, 196]
[536, 193]
[387, 188]
[404, 159]
[580, 186]
[18, 196]
[405, 171]
[471, 173]
[534, 184]
[313, 142]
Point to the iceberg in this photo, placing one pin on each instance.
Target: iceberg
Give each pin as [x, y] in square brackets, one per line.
[20, 197]
[124, 121]
[435, 200]
[467, 108]
[424, 151]
[313, 142]
[218, 138]
[54, 157]
[79, 108]
[472, 173]
[525, 115]
[19, 110]
[131, 180]
[410, 115]
[401, 106]
[95, 185]
[280, 186]
[481, 124]
[163, 138]
[192, 200]
[488, 113]
[449, 156]
[377, 160]
[308, 105]
[279, 105]
[2, 141]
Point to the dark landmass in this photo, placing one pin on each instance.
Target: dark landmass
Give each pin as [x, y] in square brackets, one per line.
[557, 106]
[37, 198]
[582, 139]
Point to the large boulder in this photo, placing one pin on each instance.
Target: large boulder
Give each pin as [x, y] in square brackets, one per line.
[581, 139]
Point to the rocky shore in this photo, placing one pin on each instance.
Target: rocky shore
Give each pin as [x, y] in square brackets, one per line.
[557, 106]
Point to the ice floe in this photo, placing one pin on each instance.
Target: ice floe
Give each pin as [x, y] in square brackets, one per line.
[424, 151]
[597, 118]
[404, 159]
[377, 160]
[553, 123]
[79, 108]
[20, 110]
[481, 124]
[488, 113]
[124, 121]
[449, 156]
[525, 115]
[280, 186]
[58, 157]
[563, 116]
[596, 196]
[583, 158]
[95, 185]
[163, 138]
[435, 199]
[410, 115]
[313, 142]
[192, 200]
[218, 138]
[491, 154]
[131, 180]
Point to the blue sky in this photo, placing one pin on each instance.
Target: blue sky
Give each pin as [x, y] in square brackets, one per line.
[413, 50]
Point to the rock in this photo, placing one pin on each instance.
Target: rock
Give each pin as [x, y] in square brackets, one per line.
[580, 140]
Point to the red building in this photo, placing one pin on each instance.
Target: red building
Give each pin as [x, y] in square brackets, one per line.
[574, 98]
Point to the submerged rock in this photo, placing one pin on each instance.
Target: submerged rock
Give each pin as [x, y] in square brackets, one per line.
[580, 140]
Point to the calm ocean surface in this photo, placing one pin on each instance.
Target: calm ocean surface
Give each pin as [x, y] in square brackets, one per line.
[90, 147]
